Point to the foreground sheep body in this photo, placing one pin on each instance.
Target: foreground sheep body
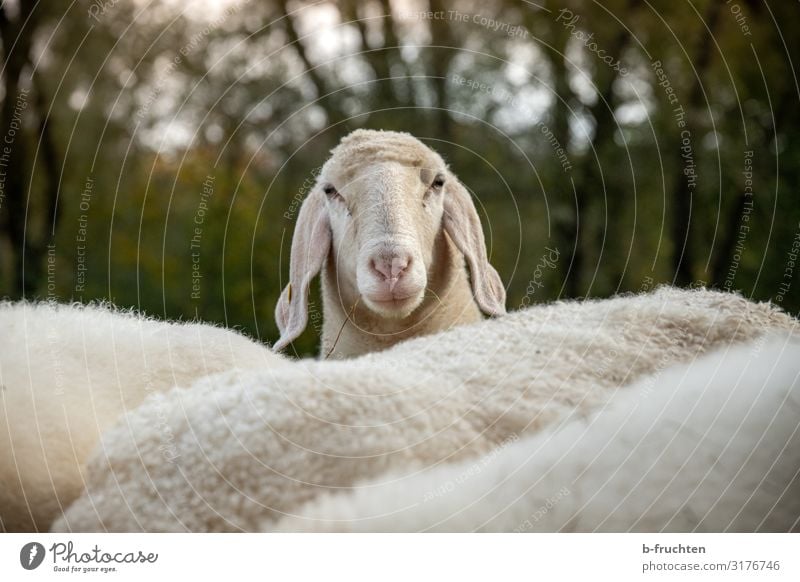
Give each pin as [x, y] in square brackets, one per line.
[713, 445]
[390, 227]
[69, 372]
[251, 447]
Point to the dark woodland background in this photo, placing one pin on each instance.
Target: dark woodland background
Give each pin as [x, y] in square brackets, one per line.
[154, 152]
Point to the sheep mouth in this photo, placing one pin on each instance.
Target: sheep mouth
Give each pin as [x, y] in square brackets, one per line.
[397, 305]
[393, 300]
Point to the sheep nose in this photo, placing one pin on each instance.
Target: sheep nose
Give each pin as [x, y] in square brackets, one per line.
[391, 267]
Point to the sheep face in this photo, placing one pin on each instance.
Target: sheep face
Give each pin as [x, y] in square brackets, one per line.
[384, 220]
[378, 214]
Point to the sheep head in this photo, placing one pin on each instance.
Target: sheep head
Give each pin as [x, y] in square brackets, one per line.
[379, 204]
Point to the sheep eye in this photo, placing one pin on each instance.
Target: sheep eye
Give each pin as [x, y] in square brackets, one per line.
[333, 194]
[438, 182]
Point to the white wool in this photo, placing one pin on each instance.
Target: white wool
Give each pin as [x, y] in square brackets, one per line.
[252, 446]
[68, 372]
[713, 445]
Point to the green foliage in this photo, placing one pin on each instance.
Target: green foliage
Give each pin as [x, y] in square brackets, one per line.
[197, 136]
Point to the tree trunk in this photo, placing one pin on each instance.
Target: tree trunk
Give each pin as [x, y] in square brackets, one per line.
[379, 58]
[588, 178]
[440, 59]
[325, 98]
[683, 253]
[725, 251]
[36, 248]
[17, 38]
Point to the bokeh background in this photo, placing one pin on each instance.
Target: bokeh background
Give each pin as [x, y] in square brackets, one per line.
[154, 153]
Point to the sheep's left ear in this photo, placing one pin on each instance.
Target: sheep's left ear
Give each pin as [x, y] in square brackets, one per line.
[310, 246]
[462, 224]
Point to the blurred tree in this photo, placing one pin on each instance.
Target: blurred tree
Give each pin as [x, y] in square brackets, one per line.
[17, 31]
[139, 119]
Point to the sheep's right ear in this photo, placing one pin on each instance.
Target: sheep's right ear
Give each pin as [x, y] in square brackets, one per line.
[310, 245]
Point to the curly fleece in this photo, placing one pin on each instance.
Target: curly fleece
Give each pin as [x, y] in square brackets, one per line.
[710, 446]
[68, 372]
[252, 446]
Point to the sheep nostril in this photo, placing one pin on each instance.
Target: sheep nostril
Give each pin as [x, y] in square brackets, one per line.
[399, 266]
[390, 267]
[381, 268]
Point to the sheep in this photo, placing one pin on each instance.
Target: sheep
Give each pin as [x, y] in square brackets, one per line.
[389, 226]
[253, 446]
[713, 445]
[69, 372]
